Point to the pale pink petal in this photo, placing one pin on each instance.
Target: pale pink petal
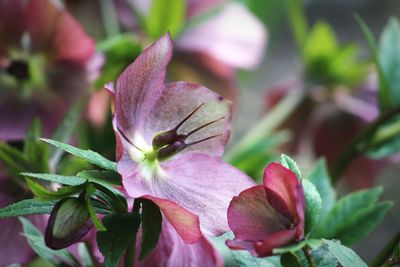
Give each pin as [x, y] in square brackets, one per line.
[198, 182]
[140, 86]
[186, 224]
[233, 36]
[177, 101]
[251, 217]
[172, 251]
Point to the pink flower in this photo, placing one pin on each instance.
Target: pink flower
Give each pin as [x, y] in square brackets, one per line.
[170, 138]
[46, 63]
[268, 216]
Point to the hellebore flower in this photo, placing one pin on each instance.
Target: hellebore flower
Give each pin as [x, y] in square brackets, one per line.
[46, 63]
[210, 50]
[14, 247]
[170, 138]
[268, 216]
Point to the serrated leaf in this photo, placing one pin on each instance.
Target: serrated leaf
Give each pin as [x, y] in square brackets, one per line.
[345, 256]
[121, 231]
[36, 153]
[348, 213]
[27, 207]
[313, 205]
[323, 257]
[165, 15]
[88, 155]
[312, 243]
[151, 227]
[245, 259]
[36, 241]
[90, 190]
[110, 177]
[320, 178]
[289, 163]
[44, 194]
[62, 179]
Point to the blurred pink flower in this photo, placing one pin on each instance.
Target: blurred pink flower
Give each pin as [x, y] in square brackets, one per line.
[268, 216]
[170, 138]
[46, 63]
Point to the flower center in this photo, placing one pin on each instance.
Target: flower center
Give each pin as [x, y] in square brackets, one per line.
[19, 69]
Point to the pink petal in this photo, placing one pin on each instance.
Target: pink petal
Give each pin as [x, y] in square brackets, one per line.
[251, 217]
[233, 36]
[141, 84]
[185, 223]
[278, 239]
[284, 192]
[172, 251]
[12, 23]
[197, 7]
[199, 183]
[177, 101]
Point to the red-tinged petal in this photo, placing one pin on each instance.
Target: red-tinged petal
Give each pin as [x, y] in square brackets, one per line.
[238, 244]
[141, 84]
[185, 223]
[172, 251]
[284, 192]
[177, 101]
[12, 22]
[202, 184]
[278, 239]
[233, 36]
[52, 28]
[251, 217]
[196, 7]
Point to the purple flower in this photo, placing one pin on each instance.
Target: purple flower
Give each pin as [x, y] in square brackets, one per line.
[170, 138]
[46, 63]
[268, 216]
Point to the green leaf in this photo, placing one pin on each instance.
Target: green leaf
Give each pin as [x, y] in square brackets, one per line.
[320, 178]
[36, 152]
[313, 205]
[345, 256]
[84, 255]
[36, 241]
[298, 21]
[349, 213]
[165, 15]
[65, 130]
[44, 194]
[121, 231]
[88, 155]
[90, 190]
[119, 52]
[151, 227]
[320, 43]
[14, 160]
[312, 243]
[289, 163]
[245, 259]
[109, 177]
[384, 89]
[62, 179]
[323, 257]
[27, 207]
[389, 56]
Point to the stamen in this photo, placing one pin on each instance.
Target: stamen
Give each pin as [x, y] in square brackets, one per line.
[202, 140]
[127, 139]
[201, 127]
[187, 117]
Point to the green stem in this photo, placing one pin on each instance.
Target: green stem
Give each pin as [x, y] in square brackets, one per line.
[109, 17]
[130, 254]
[386, 251]
[358, 145]
[307, 252]
[268, 123]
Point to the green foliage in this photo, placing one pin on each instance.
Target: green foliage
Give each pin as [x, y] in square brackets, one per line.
[36, 241]
[313, 205]
[37, 153]
[165, 15]
[27, 207]
[88, 155]
[312, 243]
[119, 51]
[151, 227]
[121, 231]
[344, 255]
[109, 177]
[320, 178]
[329, 63]
[289, 163]
[44, 194]
[90, 190]
[353, 217]
[62, 179]
[298, 21]
[245, 259]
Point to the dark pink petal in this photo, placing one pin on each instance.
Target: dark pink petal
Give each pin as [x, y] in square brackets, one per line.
[177, 101]
[172, 251]
[196, 7]
[284, 192]
[198, 182]
[140, 86]
[234, 36]
[278, 239]
[12, 23]
[252, 218]
[185, 223]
